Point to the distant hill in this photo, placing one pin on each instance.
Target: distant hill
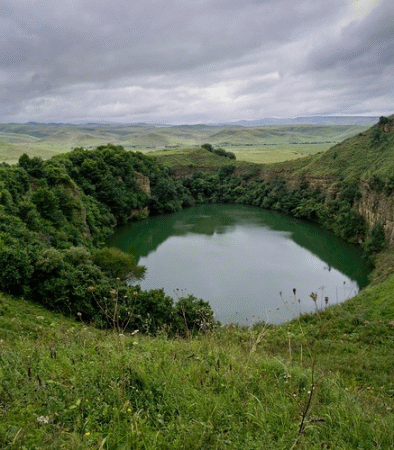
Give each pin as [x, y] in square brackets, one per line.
[311, 120]
[46, 140]
[365, 155]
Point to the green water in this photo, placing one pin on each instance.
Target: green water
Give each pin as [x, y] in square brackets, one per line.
[245, 261]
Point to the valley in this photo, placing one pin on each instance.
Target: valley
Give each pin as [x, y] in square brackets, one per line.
[263, 144]
[89, 361]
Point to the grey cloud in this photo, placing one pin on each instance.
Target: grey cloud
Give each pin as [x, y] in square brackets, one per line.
[150, 35]
[172, 51]
[362, 48]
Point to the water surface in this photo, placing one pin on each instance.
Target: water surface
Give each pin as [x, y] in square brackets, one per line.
[245, 261]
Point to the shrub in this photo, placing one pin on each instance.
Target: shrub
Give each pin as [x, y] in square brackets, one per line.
[118, 264]
[193, 315]
[376, 241]
[15, 269]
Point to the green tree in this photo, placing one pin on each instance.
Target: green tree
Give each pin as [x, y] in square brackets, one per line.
[118, 264]
[46, 202]
[15, 269]
[208, 147]
[33, 166]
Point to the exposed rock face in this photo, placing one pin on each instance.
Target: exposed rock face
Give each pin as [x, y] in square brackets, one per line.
[389, 126]
[81, 213]
[376, 207]
[143, 183]
[140, 213]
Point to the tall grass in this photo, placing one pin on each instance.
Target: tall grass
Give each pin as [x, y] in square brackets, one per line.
[66, 385]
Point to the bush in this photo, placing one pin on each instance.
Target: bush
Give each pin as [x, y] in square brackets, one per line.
[193, 315]
[118, 264]
[15, 269]
[375, 243]
[218, 151]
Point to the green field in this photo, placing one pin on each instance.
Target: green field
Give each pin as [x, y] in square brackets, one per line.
[253, 144]
[144, 377]
[259, 154]
[321, 382]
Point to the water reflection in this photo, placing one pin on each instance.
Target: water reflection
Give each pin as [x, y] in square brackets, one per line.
[240, 258]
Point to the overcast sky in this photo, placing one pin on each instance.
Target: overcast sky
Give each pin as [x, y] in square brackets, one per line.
[194, 61]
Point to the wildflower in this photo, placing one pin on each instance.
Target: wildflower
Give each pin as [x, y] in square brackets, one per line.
[294, 291]
[91, 288]
[87, 433]
[128, 409]
[326, 300]
[40, 317]
[43, 419]
[135, 343]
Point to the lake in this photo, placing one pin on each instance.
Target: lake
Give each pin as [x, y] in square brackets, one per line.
[245, 261]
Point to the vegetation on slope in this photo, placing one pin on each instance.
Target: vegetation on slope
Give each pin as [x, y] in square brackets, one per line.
[47, 140]
[366, 155]
[54, 218]
[66, 385]
[320, 381]
[324, 188]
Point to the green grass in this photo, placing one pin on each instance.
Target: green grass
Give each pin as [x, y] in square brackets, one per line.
[249, 154]
[10, 152]
[269, 154]
[190, 157]
[66, 385]
[356, 157]
[253, 144]
[284, 134]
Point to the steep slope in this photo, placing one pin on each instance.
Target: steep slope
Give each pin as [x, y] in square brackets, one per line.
[366, 160]
[364, 156]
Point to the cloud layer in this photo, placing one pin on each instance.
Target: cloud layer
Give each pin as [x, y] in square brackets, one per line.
[187, 61]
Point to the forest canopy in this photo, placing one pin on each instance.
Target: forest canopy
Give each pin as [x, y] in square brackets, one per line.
[55, 216]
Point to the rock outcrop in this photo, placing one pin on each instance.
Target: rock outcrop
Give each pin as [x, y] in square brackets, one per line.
[143, 183]
[375, 207]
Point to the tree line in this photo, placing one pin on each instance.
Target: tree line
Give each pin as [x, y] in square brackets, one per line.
[55, 217]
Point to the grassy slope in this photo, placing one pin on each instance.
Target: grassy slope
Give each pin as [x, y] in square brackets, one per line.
[66, 385]
[257, 154]
[256, 144]
[356, 157]
[195, 158]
